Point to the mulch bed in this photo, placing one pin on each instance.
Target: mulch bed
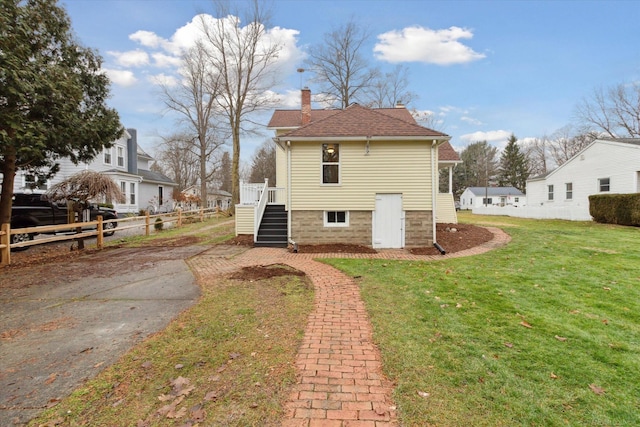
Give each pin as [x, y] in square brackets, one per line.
[259, 272]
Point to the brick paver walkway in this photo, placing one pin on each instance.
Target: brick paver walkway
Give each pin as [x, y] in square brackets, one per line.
[340, 380]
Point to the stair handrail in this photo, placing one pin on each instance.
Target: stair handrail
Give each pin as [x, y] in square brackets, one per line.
[259, 209]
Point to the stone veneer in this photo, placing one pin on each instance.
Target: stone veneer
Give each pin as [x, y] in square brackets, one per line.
[418, 229]
[307, 228]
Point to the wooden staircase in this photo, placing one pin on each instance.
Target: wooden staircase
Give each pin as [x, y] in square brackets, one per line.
[273, 228]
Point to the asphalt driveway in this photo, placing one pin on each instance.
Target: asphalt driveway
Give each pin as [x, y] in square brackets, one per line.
[61, 323]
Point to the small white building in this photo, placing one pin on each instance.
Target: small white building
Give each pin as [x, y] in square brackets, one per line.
[215, 198]
[606, 166]
[475, 197]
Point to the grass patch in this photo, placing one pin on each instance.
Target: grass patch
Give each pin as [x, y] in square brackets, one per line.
[545, 331]
[228, 361]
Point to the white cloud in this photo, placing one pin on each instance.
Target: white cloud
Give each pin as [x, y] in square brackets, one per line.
[419, 44]
[146, 38]
[492, 136]
[132, 58]
[162, 60]
[471, 120]
[163, 80]
[124, 78]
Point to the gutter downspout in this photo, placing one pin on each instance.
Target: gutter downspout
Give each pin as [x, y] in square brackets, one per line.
[289, 239]
[434, 183]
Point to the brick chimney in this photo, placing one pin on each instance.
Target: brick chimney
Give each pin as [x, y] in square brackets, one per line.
[306, 106]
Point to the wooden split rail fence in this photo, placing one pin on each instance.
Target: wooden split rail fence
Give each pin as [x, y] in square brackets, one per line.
[95, 228]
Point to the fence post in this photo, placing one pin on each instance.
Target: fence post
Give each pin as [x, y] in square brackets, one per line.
[179, 218]
[147, 222]
[100, 236]
[201, 214]
[5, 239]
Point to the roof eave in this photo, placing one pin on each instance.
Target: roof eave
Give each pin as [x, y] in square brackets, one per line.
[440, 138]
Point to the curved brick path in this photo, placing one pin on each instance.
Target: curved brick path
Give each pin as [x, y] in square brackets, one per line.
[340, 380]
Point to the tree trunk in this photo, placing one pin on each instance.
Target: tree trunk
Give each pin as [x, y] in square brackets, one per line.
[9, 175]
[235, 166]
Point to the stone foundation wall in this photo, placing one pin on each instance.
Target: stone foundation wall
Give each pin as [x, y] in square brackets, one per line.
[307, 228]
[418, 229]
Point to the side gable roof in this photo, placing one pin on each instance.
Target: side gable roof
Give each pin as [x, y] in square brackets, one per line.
[495, 191]
[358, 121]
[633, 143]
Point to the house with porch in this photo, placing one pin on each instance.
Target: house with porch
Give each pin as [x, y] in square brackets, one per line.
[128, 165]
[355, 175]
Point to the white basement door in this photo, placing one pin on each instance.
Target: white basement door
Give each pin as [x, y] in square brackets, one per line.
[388, 221]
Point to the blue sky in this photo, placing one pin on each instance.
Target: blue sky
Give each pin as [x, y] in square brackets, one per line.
[486, 69]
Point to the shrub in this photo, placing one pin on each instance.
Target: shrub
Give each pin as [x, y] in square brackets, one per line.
[623, 209]
[159, 224]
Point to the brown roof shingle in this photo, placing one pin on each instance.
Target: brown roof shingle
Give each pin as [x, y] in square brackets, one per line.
[356, 120]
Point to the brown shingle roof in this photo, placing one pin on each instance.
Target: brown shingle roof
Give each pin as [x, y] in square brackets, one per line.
[447, 153]
[356, 120]
[293, 118]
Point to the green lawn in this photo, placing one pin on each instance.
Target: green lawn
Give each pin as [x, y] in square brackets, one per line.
[545, 331]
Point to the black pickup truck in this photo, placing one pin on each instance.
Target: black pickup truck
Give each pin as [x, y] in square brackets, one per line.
[34, 210]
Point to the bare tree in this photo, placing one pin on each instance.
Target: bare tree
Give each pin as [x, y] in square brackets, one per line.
[339, 66]
[195, 101]
[566, 142]
[263, 164]
[244, 59]
[614, 112]
[538, 157]
[177, 159]
[391, 89]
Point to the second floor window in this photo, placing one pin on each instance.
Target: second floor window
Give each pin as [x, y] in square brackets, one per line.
[107, 156]
[121, 156]
[330, 163]
[569, 186]
[550, 192]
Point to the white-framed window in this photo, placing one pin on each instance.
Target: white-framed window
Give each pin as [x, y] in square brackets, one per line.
[32, 182]
[331, 163]
[487, 201]
[107, 156]
[604, 184]
[123, 187]
[120, 156]
[132, 193]
[336, 218]
[516, 199]
[550, 192]
[569, 190]
[160, 194]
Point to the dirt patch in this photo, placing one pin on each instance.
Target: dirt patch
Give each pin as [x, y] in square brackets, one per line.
[455, 238]
[452, 237]
[265, 272]
[241, 240]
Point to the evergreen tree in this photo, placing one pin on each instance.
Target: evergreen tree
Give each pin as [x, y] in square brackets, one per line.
[478, 168]
[514, 168]
[52, 95]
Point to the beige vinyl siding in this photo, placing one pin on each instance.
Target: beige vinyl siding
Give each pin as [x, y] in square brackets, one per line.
[244, 219]
[446, 209]
[281, 168]
[390, 167]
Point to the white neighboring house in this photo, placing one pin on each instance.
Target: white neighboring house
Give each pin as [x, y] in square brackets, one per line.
[128, 165]
[606, 166]
[215, 198]
[474, 197]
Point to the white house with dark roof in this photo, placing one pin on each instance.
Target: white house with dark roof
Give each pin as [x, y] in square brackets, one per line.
[356, 175]
[128, 165]
[476, 197]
